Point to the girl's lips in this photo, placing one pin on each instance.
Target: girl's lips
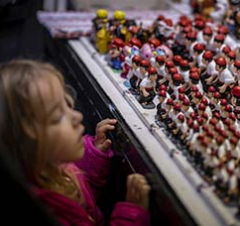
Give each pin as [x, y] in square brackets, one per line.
[81, 132]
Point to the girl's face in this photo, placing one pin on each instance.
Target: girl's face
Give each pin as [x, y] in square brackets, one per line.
[63, 132]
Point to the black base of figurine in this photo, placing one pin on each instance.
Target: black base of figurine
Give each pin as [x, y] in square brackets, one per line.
[134, 92]
[150, 105]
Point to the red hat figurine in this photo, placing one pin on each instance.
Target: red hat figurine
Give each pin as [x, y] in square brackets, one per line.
[162, 93]
[160, 59]
[152, 70]
[236, 91]
[221, 61]
[208, 55]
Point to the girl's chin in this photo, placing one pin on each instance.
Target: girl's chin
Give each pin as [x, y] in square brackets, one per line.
[81, 151]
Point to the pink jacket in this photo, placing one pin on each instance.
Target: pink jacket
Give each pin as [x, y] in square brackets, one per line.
[96, 167]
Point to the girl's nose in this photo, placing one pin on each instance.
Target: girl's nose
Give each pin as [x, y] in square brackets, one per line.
[77, 117]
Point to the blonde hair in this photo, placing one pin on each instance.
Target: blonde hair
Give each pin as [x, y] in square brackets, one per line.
[27, 154]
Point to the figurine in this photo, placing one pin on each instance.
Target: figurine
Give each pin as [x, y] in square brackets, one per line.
[218, 44]
[143, 72]
[184, 71]
[220, 11]
[235, 100]
[236, 72]
[186, 108]
[130, 50]
[206, 38]
[165, 80]
[162, 98]
[226, 49]
[134, 73]
[167, 31]
[148, 89]
[225, 79]
[210, 74]
[115, 53]
[231, 57]
[175, 84]
[184, 27]
[132, 29]
[195, 81]
[190, 41]
[159, 64]
[167, 106]
[100, 34]
[118, 28]
[197, 52]
[199, 26]
[173, 116]
[147, 50]
[176, 60]
[232, 20]
[155, 29]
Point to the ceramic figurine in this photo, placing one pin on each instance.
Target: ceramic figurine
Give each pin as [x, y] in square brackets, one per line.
[207, 38]
[235, 100]
[118, 28]
[115, 53]
[133, 74]
[100, 31]
[236, 72]
[232, 20]
[210, 74]
[148, 89]
[220, 11]
[225, 78]
[162, 98]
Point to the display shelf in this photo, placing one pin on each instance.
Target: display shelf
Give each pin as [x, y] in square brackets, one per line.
[198, 198]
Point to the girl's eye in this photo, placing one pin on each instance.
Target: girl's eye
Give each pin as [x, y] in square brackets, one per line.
[56, 119]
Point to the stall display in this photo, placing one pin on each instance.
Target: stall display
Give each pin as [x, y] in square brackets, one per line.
[209, 146]
[189, 111]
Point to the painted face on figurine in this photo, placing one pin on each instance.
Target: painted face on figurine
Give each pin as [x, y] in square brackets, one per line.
[236, 71]
[134, 66]
[217, 44]
[114, 52]
[153, 77]
[234, 101]
[218, 68]
[207, 38]
[143, 70]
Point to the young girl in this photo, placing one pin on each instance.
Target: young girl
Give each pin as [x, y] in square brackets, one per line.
[65, 170]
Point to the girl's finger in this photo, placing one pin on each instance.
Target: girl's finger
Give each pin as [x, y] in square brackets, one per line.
[104, 128]
[106, 121]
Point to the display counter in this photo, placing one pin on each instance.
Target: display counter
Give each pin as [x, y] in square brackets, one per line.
[179, 194]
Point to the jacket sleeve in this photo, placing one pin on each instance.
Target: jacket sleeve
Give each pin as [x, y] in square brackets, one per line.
[95, 164]
[129, 214]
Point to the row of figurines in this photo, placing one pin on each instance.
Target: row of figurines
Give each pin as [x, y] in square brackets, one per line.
[162, 28]
[207, 131]
[212, 51]
[192, 74]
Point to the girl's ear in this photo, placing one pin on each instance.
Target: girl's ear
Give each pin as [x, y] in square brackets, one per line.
[30, 131]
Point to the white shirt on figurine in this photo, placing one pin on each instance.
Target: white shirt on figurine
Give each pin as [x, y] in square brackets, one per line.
[133, 72]
[226, 76]
[147, 83]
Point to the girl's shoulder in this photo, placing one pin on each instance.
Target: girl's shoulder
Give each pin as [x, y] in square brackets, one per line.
[62, 207]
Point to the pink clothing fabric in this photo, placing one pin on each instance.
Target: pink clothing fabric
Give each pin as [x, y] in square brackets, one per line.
[91, 172]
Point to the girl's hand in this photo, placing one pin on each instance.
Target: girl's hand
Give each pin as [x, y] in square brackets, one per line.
[101, 142]
[138, 190]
